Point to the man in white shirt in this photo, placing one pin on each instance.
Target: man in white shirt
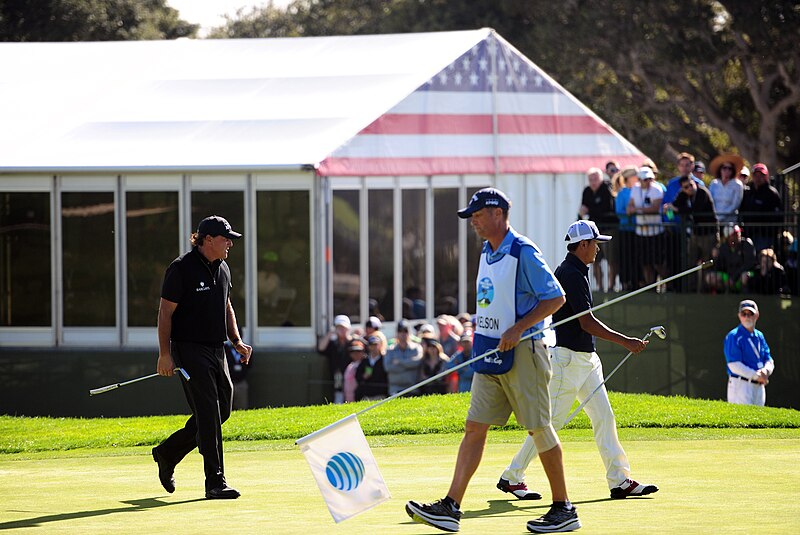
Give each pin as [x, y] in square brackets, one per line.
[645, 203]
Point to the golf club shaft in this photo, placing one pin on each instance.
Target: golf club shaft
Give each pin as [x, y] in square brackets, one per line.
[539, 331]
[104, 389]
[585, 401]
[411, 388]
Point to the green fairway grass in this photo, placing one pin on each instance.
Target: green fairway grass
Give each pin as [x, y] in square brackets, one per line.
[721, 469]
[412, 416]
[117, 491]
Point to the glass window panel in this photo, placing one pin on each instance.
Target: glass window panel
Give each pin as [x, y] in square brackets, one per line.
[474, 245]
[284, 258]
[445, 251]
[230, 205]
[88, 259]
[346, 254]
[151, 218]
[413, 239]
[381, 254]
[25, 264]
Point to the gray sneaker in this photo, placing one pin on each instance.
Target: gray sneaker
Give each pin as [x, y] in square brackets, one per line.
[556, 520]
[437, 514]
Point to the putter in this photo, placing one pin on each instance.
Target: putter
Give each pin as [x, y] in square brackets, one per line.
[104, 389]
[659, 331]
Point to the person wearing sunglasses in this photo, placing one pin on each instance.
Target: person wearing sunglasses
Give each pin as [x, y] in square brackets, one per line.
[749, 359]
[726, 188]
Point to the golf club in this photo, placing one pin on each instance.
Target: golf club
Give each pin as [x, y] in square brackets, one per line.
[705, 265]
[104, 389]
[659, 331]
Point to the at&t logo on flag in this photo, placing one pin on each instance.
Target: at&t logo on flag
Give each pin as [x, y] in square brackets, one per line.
[345, 471]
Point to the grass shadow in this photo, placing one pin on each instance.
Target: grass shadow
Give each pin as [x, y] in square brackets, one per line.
[499, 507]
[133, 505]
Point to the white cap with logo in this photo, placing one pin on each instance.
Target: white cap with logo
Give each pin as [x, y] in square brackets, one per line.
[584, 230]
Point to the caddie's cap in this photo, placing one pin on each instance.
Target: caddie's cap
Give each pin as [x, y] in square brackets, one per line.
[342, 320]
[748, 304]
[584, 230]
[485, 198]
[217, 226]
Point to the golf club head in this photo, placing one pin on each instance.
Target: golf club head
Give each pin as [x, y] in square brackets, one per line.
[659, 331]
[102, 389]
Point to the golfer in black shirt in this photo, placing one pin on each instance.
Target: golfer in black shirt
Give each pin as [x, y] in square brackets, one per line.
[195, 317]
[577, 370]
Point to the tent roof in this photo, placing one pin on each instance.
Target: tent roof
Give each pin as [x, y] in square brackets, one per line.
[247, 103]
[240, 104]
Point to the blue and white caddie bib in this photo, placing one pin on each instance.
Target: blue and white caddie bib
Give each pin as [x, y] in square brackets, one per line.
[496, 309]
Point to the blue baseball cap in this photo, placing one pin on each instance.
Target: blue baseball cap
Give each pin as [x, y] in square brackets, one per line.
[485, 198]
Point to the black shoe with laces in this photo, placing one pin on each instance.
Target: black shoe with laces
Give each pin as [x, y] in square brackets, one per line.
[437, 514]
[556, 520]
[165, 471]
[223, 492]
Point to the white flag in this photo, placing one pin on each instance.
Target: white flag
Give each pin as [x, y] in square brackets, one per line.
[345, 470]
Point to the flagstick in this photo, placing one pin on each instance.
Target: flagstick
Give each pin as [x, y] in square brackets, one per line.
[704, 265]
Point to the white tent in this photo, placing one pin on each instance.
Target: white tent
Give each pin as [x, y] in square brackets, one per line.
[268, 103]
[428, 110]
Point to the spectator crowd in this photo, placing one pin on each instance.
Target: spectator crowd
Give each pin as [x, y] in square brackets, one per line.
[365, 365]
[725, 212]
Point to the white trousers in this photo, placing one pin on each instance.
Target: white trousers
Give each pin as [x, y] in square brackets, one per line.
[577, 374]
[745, 392]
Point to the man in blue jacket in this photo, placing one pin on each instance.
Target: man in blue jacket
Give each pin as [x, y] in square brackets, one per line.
[749, 359]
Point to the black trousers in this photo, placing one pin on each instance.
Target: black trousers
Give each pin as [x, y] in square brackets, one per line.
[209, 392]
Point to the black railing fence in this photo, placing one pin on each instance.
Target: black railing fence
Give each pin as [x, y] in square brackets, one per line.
[751, 256]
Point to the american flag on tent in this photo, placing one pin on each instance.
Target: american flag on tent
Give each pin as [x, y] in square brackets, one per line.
[491, 110]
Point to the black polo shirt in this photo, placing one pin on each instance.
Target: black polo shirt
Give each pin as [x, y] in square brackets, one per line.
[201, 290]
[574, 278]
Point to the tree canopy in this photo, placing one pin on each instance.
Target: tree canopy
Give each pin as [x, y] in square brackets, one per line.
[90, 20]
[703, 76]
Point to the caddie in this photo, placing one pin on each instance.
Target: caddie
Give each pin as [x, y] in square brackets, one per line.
[516, 291]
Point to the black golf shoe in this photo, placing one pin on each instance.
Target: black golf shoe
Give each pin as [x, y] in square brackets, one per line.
[165, 471]
[222, 493]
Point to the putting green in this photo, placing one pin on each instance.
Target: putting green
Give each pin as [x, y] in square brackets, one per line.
[707, 486]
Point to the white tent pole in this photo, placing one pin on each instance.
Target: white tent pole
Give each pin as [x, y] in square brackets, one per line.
[491, 43]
